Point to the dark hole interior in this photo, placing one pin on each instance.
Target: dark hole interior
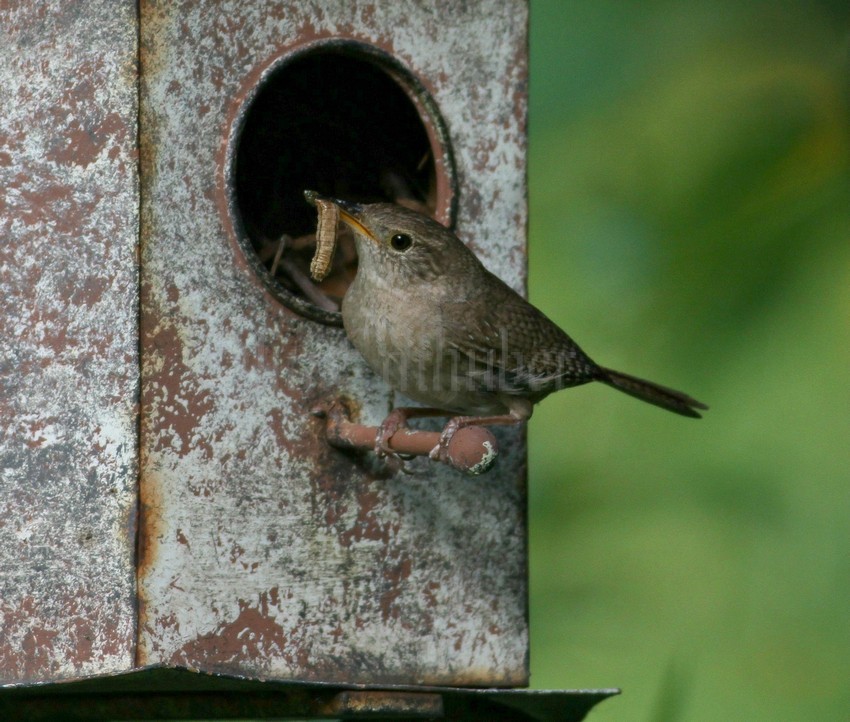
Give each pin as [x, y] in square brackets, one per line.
[338, 124]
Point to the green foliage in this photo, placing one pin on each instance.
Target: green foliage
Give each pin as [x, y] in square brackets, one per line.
[690, 223]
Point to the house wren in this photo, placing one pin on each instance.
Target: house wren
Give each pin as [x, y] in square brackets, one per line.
[439, 327]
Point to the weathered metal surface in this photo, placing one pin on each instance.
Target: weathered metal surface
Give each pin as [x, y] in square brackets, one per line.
[68, 338]
[265, 552]
[179, 694]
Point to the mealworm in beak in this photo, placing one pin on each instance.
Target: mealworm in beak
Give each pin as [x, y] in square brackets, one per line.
[325, 239]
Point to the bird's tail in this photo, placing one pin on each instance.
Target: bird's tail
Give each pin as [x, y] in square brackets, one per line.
[653, 393]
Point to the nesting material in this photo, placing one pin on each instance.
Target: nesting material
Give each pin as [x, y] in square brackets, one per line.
[325, 239]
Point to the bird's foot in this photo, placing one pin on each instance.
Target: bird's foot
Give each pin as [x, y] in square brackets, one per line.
[395, 421]
[441, 451]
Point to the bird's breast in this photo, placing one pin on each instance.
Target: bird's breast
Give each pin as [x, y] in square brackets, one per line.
[400, 334]
[391, 328]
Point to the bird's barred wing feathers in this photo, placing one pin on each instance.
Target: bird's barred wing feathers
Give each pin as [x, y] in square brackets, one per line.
[515, 349]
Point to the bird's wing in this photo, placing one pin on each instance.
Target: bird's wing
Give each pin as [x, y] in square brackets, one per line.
[512, 348]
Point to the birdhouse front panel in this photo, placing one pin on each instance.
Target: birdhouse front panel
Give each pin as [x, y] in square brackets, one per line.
[265, 551]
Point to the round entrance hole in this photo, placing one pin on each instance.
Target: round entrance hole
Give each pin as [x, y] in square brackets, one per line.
[348, 121]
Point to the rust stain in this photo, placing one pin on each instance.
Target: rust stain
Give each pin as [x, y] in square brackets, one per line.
[150, 531]
[32, 656]
[356, 702]
[252, 636]
[395, 577]
[172, 405]
[83, 144]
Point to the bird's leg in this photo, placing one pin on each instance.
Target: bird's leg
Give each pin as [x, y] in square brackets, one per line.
[441, 450]
[396, 420]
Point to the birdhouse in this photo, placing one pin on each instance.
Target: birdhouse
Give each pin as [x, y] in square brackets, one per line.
[172, 516]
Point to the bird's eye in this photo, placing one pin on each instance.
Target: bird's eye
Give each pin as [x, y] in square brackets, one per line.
[401, 242]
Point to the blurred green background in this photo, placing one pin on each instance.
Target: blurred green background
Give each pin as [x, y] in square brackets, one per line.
[690, 223]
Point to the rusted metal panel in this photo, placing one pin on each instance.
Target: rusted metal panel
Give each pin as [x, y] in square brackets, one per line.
[265, 552]
[69, 330]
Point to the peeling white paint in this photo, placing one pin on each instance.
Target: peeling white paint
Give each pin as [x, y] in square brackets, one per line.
[486, 459]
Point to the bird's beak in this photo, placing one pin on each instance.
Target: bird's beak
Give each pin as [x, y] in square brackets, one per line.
[349, 212]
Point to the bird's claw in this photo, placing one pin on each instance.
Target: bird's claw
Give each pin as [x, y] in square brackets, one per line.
[441, 451]
[396, 421]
